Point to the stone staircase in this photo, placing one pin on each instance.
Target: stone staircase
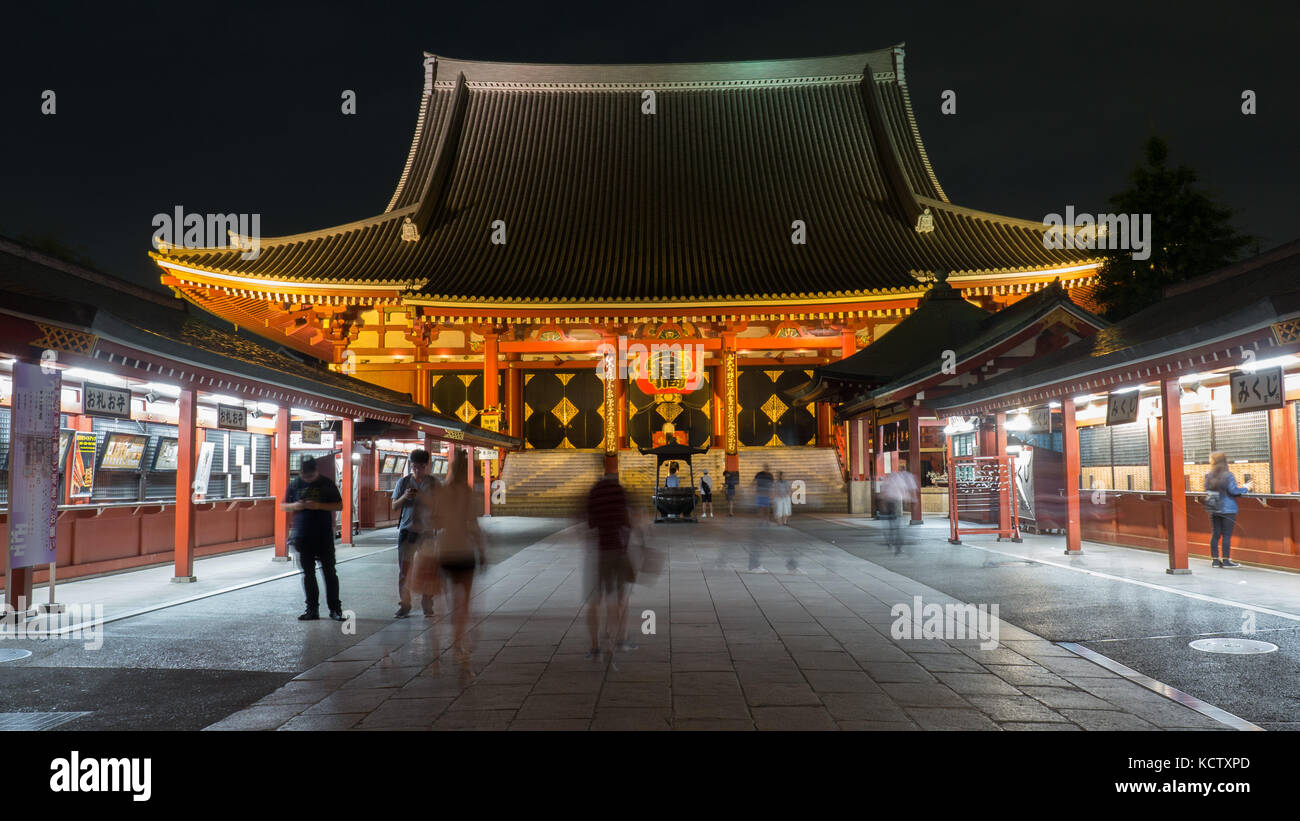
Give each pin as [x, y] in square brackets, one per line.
[549, 482]
[556, 482]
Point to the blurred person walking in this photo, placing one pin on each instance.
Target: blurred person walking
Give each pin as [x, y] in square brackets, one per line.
[763, 481]
[781, 499]
[415, 494]
[731, 481]
[607, 514]
[1222, 506]
[312, 499]
[461, 547]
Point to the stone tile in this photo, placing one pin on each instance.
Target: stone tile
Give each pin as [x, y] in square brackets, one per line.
[425, 686]
[1075, 667]
[700, 662]
[634, 694]
[712, 725]
[350, 701]
[383, 677]
[334, 670]
[510, 673]
[878, 726]
[793, 718]
[999, 655]
[798, 628]
[1004, 709]
[693, 617]
[773, 651]
[524, 654]
[940, 718]
[257, 718]
[567, 705]
[1022, 726]
[705, 684]
[875, 707]
[700, 645]
[923, 695]
[628, 718]
[1020, 675]
[491, 697]
[551, 724]
[660, 671]
[948, 663]
[841, 681]
[474, 720]
[812, 644]
[709, 707]
[774, 672]
[888, 672]
[780, 695]
[977, 684]
[816, 660]
[1106, 720]
[335, 721]
[299, 692]
[876, 652]
[569, 681]
[414, 713]
[1061, 697]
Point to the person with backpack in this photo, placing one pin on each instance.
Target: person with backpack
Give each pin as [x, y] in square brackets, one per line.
[1221, 492]
[706, 495]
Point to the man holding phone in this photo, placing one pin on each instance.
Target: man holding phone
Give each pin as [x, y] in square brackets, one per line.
[414, 494]
[312, 499]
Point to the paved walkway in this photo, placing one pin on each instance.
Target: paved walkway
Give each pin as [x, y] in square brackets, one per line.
[756, 627]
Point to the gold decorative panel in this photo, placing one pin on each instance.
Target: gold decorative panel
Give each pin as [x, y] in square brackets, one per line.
[564, 377]
[774, 408]
[774, 375]
[564, 410]
[467, 378]
[669, 411]
[466, 412]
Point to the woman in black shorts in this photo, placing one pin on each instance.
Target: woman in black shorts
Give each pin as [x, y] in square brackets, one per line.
[460, 546]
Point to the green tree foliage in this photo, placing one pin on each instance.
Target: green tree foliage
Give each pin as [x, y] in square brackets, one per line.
[1191, 234]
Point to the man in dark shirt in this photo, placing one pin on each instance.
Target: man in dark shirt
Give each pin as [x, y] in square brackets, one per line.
[312, 499]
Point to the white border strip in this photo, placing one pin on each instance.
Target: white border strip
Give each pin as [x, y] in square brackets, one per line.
[1204, 708]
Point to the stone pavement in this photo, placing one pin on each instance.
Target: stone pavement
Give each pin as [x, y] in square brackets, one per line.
[756, 627]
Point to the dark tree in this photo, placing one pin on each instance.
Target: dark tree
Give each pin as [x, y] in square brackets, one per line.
[1191, 234]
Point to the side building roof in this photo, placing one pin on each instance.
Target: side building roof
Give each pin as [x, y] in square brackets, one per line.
[42, 288]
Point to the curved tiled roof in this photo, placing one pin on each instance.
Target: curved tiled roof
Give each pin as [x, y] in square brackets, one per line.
[602, 202]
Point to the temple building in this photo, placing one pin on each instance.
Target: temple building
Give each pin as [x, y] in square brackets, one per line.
[753, 220]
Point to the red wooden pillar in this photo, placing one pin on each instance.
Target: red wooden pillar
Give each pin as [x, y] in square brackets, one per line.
[914, 457]
[1000, 437]
[1176, 481]
[823, 424]
[719, 406]
[848, 344]
[1155, 447]
[1282, 433]
[1073, 472]
[280, 483]
[345, 486]
[469, 464]
[491, 393]
[186, 460]
[487, 487]
[515, 396]
[731, 393]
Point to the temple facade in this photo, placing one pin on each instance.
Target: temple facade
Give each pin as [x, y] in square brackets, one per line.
[745, 223]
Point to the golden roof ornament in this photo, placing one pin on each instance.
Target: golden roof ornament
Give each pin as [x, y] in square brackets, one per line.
[409, 232]
[925, 222]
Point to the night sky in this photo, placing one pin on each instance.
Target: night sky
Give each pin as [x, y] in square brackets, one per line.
[219, 108]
